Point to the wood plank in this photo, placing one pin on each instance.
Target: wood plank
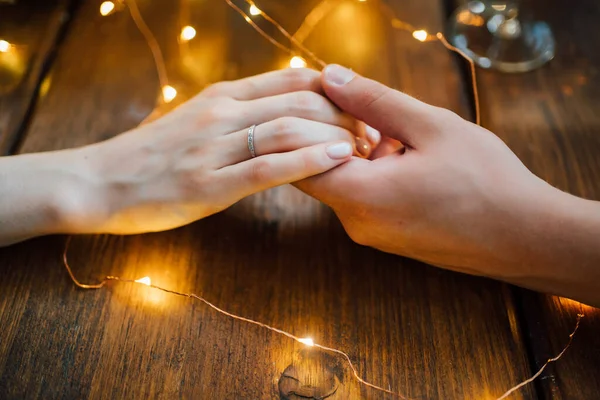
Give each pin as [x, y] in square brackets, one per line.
[32, 28]
[551, 119]
[278, 257]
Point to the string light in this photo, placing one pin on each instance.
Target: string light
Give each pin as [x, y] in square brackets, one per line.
[169, 93]
[423, 36]
[420, 35]
[4, 46]
[306, 341]
[106, 8]
[285, 33]
[255, 10]
[297, 62]
[187, 33]
[145, 281]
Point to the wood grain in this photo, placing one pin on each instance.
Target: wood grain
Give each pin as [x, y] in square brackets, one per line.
[278, 257]
[551, 119]
[33, 27]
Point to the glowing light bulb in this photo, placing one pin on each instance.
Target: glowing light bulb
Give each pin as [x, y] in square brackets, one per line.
[169, 93]
[297, 62]
[145, 280]
[255, 10]
[420, 35]
[4, 46]
[307, 341]
[187, 33]
[106, 8]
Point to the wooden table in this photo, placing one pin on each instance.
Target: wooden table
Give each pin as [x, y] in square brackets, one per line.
[280, 257]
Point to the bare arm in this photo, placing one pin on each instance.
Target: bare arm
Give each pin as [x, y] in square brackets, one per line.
[559, 250]
[38, 191]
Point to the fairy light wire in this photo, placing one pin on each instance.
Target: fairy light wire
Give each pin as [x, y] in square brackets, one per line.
[257, 28]
[551, 360]
[162, 75]
[290, 37]
[298, 339]
[309, 342]
[140, 23]
[313, 18]
[473, 71]
[325, 6]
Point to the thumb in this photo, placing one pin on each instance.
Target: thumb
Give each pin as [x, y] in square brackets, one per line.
[393, 113]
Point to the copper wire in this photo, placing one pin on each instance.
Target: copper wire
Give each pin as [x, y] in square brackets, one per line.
[551, 360]
[226, 313]
[162, 74]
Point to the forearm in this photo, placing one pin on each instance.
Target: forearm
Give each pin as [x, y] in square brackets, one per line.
[560, 250]
[40, 193]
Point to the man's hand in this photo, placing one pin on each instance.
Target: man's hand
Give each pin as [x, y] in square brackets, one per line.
[455, 196]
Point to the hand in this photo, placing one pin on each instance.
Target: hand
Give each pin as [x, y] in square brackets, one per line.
[455, 196]
[195, 161]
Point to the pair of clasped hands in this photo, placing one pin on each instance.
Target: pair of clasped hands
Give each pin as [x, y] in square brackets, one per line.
[403, 176]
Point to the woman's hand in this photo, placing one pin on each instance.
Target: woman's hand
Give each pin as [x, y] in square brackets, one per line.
[195, 161]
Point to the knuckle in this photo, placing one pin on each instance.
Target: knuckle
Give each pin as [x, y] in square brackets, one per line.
[308, 162]
[285, 125]
[302, 77]
[358, 235]
[216, 89]
[306, 101]
[259, 172]
[369, 98]
[283, 132]
[192, 183]
[220, 108]
[444, 115]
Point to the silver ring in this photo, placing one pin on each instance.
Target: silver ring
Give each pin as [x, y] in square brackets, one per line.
[251, 141]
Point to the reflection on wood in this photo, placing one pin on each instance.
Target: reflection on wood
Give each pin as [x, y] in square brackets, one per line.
[551, 118]
[278, 257]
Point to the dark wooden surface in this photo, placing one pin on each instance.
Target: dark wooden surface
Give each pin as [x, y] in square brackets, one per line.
[551, 119]
[34, 27]
[279, 257]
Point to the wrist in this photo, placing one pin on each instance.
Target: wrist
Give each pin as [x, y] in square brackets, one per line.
[553, 247]
[44, 193]
[78, 201]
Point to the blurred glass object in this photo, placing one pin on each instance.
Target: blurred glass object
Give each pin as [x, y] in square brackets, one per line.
[498, 35]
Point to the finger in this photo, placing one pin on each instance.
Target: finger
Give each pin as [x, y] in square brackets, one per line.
[372, 135]
[268, 84]
[386, 147]
[303, 104]
[279, 136]
[339, 186]
[393, 113]
[272, 170]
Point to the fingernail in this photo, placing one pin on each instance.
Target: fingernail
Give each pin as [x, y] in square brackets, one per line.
[373, 134]
[338, 75]
[339, 151]
[362, 147]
